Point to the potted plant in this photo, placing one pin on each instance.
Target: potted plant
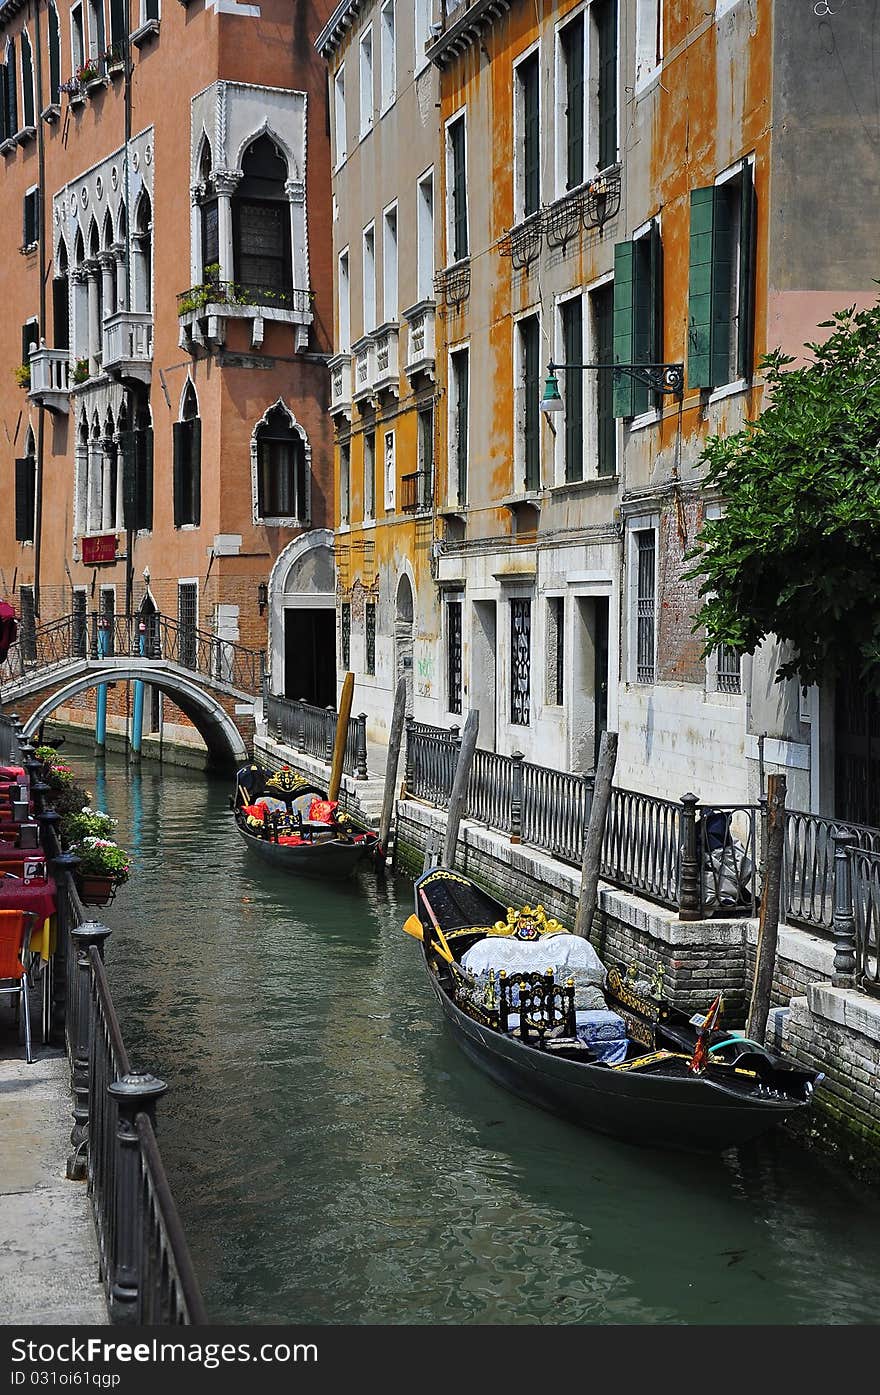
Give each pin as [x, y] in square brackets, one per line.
[88, 73]
[86, 823]
[80, 370]
[115, 58]
[23, 375]
[103, 868]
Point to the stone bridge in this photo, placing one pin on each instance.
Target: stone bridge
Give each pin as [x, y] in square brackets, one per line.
[217, 684]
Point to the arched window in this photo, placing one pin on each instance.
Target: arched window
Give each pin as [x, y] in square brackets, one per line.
[11, 93]
[54, 57]
[143, 254]
[188, 461]
[209, 216]
[261, 224]
[27, 79]
[61, 300]
[26, 490]
[110, 477]
[281, 467]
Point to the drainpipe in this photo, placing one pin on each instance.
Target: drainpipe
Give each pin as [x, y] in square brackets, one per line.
[130, 397]
[41, 230]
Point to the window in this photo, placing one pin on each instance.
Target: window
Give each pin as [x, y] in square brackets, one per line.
[728, 678]
[188, 462]
[388, 56]
[27, 79]
[54, 57]
[261, 223]
[77, 38]
[571, 317]
[646, 600]
[527, 138]
[369, 278]
[97, 44]
[422, 25]
[149, 10]
[459, 414]
[344, 304]
[61, 301]
[30, 338]
[453, 656]
[425, 234]
[649, 38]
[425, 499]
[369, 474]
[390, 471]
[528, 335]
[281, 467]
[136, 448]
[142, 258]
[339, 114]
[31, 218]
[118, 21]
[108, 617]
[556, 651]
[456, 184]
[5, 132]
[345, 634]
[602, 313]
[572, 52]
[370, 637]
[389, 265]
[638, 316]
[722, 276]
[26, 491]
[603, 16]
[344, 483]
[80, 637]
[366, 74]
[188, 622]
[520, 660]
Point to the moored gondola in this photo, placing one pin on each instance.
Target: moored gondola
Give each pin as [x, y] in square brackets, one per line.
[616, 1059]
[293, 825]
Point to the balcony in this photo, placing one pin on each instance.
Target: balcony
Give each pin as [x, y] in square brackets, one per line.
[340, 385]
[364, 353]
[416, 492]
[128, 346]
[204, 309]
[387, 370]
[420, 340]
[50, 378]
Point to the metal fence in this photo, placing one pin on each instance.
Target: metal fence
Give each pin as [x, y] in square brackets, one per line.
[808, 885]
[312, 730]
[641, 849]
[865, 869]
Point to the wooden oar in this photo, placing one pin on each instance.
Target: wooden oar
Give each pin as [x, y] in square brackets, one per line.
[413, 926]
[341, 735]
[436, 924]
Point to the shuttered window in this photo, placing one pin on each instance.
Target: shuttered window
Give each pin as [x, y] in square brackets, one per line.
[530, 348]
[27, 633]
[25, 497]
[573, 58]
[638, 317]
[458, 186]
[55, 56]
[573, 344]
[61, 312]
[80, 625]
[602, 304]
[605, 21]
[11, 92]
[721, 281]
[528, 74]
[187, 472]
[27, 80]
[4, 116]
[461, 409]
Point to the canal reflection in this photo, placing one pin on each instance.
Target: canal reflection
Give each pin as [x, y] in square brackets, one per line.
[336, 1159]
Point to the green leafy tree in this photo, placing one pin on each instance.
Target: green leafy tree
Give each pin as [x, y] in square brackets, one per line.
[797, 551]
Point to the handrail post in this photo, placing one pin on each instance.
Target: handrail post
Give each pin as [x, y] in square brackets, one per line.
[63, 865]
[361, 746]
[82, 1019]
[690, 898]
[93, 642]
[134, 1094]
[517, 774]
[408, 760]
[844, 922]
[329, 733]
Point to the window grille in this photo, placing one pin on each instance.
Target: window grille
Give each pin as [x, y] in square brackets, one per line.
[645, 605]
[345, 633]
[520, 660]
[729, 680]
[453, 636]
[370, 636]
[187, 615]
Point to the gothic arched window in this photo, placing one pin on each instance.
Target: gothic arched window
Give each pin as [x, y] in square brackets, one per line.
[261, 225]
[280, 467]
[188, 461]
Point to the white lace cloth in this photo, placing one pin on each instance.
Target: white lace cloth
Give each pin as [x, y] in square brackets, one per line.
[569, 956]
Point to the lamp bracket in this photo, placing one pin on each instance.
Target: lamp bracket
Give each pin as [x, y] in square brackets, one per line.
[660, 377]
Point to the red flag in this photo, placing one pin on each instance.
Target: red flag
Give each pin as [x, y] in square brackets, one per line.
[700, 1057]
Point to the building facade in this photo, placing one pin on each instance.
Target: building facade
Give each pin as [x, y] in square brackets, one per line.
[166, 273]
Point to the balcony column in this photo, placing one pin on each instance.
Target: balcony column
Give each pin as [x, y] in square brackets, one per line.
[92, 270]
[225, 182]
[78, 322]
[108, 503]
[299, 244]
[108, 296]
[118, 250]
[94, 488]
[196, 194]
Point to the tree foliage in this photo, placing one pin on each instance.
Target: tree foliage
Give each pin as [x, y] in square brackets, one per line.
[797, 552]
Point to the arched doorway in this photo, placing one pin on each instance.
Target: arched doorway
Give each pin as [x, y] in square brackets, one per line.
[403, 638]
[302, 620]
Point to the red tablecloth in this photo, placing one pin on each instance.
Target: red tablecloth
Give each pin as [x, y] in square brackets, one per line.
[15, 896]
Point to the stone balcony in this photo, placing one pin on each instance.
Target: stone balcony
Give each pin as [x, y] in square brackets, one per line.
[364, 355]
[387, 370]
[203, 312]
[50, 378]
[128, 346]
[340, 385]
[420, 355]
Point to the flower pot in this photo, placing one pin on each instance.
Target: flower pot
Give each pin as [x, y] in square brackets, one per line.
[95, 890]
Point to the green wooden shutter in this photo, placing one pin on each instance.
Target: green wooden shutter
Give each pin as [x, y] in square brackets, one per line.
[25, 469]
[746, 307]
[531, 348]
[128, 451]
[531, 136]
[573, 345]
[573, 49]
[606, 428]
[700, 288]
[605, 15]
[459, 190]
[656, 255]
[195, 448]
[724, 231]
[180, 441]
[624, 320]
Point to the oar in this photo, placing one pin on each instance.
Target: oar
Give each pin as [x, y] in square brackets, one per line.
[413, 926]
[436, 924]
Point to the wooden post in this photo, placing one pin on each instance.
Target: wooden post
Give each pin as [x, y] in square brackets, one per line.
[768, 924]
[341, 734]
[398, 718]
[595, 833]
[458, 797]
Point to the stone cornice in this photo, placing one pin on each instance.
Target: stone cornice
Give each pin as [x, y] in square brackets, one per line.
[341, 20]
[465, 30]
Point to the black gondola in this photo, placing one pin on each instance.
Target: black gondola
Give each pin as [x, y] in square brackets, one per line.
[275, 813]
[681, 1083]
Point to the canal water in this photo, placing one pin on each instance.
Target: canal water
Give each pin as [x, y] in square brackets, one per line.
[336, 1160]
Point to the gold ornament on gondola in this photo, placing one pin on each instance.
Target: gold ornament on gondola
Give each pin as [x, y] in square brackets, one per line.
[528, 923]
[285, 780]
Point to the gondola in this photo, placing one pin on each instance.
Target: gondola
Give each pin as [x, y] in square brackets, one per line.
[291, 824]
[627, 1064]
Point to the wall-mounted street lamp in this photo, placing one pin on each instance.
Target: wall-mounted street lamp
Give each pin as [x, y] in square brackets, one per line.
[660, 377]
[262, 596]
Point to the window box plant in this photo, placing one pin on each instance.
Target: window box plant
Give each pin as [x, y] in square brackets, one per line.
[89, 75]
[103, 868]
[23, 375]
[80, 372]
[115, 59]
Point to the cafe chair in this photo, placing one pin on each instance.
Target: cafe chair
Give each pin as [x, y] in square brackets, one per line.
[15, 936]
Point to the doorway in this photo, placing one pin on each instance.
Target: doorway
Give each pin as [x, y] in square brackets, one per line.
[403, 639]
[483, 683]
[589, 692]
[856, 750]
[310, 655]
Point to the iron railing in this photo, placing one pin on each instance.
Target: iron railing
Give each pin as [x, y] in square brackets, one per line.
[312, 730]
[865, 874]
[808, 880]
[641, 849]
[99, 636]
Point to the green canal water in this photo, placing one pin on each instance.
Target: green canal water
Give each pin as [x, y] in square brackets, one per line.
[336, 1160]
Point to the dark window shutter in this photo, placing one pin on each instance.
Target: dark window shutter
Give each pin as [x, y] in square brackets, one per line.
[27, 80]
[4, 131]
[656, 256]
[605, 15]
[573, 49]
[531, 349]
[61, 312]
[180, 439]
[573, 342]
[462, 386]
[210, 235]
[11, 93]
[531, 136]
[700, 288]
[195, 455]
[747, 240]
[624, 319]
[146, 437]
[55, 56]
[459, 190]
[606, 429]
[25, 471]
[128, 451]
[118, 21]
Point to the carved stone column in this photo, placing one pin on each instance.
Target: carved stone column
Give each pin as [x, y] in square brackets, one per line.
[93, 271]
[225, 182]
[107, 262]
[119, 257]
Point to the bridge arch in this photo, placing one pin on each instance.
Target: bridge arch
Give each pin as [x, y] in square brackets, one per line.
[217, 729]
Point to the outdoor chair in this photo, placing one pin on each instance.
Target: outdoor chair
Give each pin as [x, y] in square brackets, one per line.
[15, 935]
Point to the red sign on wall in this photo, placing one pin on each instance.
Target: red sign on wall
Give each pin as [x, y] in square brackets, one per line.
[102, 549]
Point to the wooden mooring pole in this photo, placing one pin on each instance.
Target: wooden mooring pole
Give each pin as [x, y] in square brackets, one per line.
[341, 735]
[768, 924]
[591, 860]
[458, 797]
[398, 719]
